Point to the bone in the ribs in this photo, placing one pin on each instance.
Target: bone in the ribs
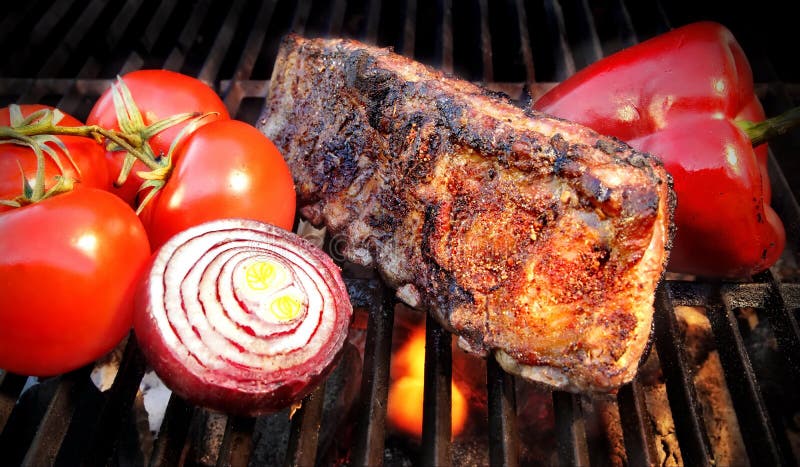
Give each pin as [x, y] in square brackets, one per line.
[530, 237]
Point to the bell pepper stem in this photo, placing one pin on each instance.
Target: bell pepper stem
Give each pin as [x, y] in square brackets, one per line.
[761, 132]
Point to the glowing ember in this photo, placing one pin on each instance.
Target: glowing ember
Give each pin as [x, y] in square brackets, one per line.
[404, 410]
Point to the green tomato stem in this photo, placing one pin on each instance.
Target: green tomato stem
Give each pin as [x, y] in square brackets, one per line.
[41, 128]
[38, 187]
[128, 142]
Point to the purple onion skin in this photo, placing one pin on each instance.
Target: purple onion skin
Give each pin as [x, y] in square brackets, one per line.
[261, 392]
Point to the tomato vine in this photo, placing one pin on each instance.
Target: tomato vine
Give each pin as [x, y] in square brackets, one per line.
[41, 128]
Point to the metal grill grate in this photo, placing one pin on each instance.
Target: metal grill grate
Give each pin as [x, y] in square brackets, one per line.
[65, 53]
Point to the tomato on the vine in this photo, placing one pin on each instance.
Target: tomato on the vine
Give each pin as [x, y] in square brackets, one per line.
[15, 159]
[69, 266]
[158, 94]
[225, 169]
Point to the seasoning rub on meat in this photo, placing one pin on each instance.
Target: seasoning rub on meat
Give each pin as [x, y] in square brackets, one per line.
[530, 237]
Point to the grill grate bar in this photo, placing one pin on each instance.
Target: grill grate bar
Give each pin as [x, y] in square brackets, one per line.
[13, 18]
[336, 18]
[301, 16]
[787, 205]
[72, 41]
[446, 36]
[222, 42]
[436, 418]
[686, 411]
[71, 99]
[486, 42]
[10, 388]
[233, 91]
[157, 23]
[662, 14]
[120, 24]
[757, 432]
[304, 435]
[54, 424]
[371, 422]
[636, 430]
[565, 62]
[74, 99]
[63, 52]
[132, 63]
[618, 33]
[172, 440]
[409, 28]
[36, 37]
[373, 21]
[572, 446]
[779, 97]
[116, 407]
[255, 41]
[784, 325]
[740, 295]
[649, 18]
[503, 434]
[581, 33]
[177, 56]
[237, 442]
[525, 42]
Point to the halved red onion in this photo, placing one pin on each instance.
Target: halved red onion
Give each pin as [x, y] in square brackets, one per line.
[241, 316]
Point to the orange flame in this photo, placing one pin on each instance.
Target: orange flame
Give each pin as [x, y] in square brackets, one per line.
[404, 409]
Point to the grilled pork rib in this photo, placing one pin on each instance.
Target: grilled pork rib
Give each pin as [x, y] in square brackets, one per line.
[528, 236]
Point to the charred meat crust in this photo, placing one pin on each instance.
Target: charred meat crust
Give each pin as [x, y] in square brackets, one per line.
[518, 231]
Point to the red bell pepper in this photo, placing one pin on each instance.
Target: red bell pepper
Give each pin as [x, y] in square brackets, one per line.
[685, 97]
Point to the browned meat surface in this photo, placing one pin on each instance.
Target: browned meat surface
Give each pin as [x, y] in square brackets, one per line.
[530, 237]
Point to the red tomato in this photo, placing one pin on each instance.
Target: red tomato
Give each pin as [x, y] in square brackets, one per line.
[158, 94]
[86, 153]
[68, 269]
[226, 169]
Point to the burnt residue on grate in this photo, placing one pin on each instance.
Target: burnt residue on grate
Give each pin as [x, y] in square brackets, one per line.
[716, 388]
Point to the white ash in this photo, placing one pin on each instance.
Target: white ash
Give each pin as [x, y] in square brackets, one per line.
[155, 395]
[106, 367]
[311, 233]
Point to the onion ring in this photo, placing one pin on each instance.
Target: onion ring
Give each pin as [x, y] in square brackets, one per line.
[241, 316]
